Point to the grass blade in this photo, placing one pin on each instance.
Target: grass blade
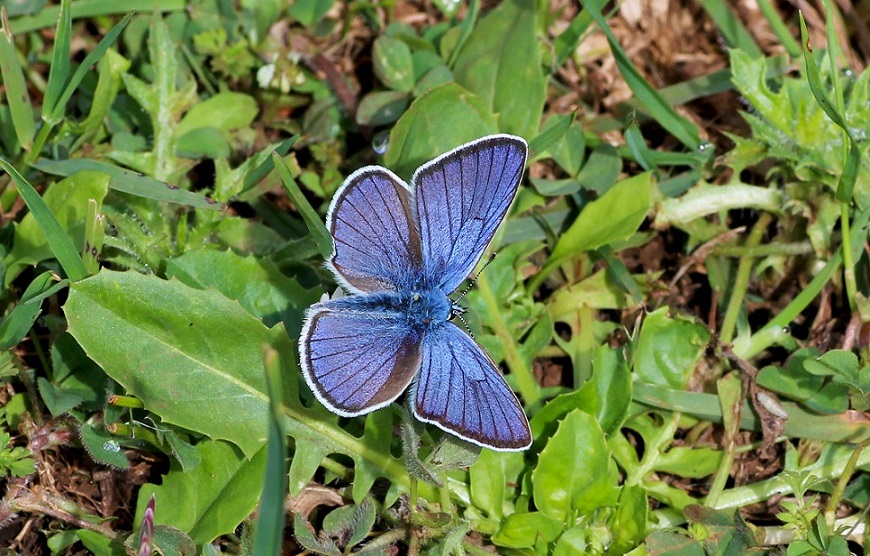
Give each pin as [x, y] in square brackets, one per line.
[129, 182]
[94, 8]
[61, 244]
[654, 103]
[734, 31]
[269, 532]
[91, 59]
[16, 89]
[309, 215]
[59, 69]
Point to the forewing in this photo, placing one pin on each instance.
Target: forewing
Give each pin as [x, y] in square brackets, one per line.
[461, 391]
[376, 246]
[461, 198]
[356, 362]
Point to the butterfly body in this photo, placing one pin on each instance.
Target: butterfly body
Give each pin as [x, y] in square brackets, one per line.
[401, 250]
[418, 310]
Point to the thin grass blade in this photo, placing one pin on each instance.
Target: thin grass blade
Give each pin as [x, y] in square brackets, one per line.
[16, 88]
[60, 57]
[654, 103]
[61, 244]
[129, 182]
[270, 519]
[94, 8]
[90, 60]
[315, 225]
[733, 30]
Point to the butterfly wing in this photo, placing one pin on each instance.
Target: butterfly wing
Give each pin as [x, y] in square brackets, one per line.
[461, 391]
[356, 361]
[376, 246]
[461, 198]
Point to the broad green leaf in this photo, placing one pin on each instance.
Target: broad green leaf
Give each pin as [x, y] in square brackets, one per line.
[441, 119]
[608, 394]
[129, 182]
[501, 62]
[381, 108]
[103, 447]
[668, 349]
[393, 64]
[525, 530]
[55, 225]
[843, 366]
[189, 355]
[575, 474]
[489, 477]
[255, 283]
[309, 12]
[601, 170]
[726, 532]
[212, 499]
[224, 111]
[100, 545]
[792, 381]
[613, 217]
[628, 522]
[694, 463]
[573, 541]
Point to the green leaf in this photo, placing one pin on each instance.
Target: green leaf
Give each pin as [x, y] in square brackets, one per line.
[212, 499]
[573, 541]
[393, 64]
[668, 349]
[16, 88]
[628, 522]
[525, 530]
[224, 111]
[792, 381]
[850, 168]
[103, 447]
[489, 477]
[55, 225]
[148, 334]
[501, 62]
[441, 119]
[613, 217]
[257, 284]
[843, 366]
[309, 12]
[694, 463]
[381, 108]
[575, 474]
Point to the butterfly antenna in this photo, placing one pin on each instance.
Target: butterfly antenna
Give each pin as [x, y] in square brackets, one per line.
[474, 278]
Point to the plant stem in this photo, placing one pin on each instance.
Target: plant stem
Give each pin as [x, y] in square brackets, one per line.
[837, 495]
[757, 492]
[848, 264]
[522, 372]
[741, 280]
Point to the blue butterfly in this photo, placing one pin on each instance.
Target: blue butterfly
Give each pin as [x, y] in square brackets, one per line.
[402, 250]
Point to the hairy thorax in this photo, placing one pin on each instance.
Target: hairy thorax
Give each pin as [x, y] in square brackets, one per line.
[422, 309]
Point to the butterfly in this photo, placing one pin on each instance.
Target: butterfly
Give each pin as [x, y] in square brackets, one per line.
[401, 250]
